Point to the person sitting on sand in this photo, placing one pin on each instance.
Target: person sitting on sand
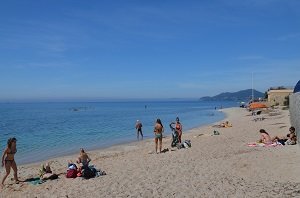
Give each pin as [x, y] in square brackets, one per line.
[265, 137]
[178, 128]
[158, 130]
[8, 159]
[289, 139]
[83, 158]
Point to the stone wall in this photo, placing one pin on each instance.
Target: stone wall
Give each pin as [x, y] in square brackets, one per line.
[295, 113]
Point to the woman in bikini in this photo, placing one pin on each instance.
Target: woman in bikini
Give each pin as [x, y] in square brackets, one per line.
[158, 130]
[265, 137]
[83, 158]
[178, 128]
[8, 159]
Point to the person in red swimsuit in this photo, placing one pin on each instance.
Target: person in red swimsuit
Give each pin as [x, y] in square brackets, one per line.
[178, 128]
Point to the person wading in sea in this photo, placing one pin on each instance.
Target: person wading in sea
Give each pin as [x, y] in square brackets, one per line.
[138, 127]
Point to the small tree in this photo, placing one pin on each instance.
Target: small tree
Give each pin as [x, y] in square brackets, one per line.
[266, 95]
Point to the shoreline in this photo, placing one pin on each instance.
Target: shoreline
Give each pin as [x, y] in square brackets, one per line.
[215, 166]
[120, 144]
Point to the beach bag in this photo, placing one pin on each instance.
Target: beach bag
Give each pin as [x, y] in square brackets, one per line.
[88, 173]
[71, 173]
[187, 143]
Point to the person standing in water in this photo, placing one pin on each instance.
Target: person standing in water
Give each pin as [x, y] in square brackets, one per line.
[138, 127]
[8, 160]
[158, 130]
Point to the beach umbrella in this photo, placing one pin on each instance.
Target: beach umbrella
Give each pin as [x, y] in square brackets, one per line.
[257, 105]
[297, 87]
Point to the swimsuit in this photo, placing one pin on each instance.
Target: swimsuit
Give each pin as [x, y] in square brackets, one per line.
[158, 135]
[178, 126]
[10, 153]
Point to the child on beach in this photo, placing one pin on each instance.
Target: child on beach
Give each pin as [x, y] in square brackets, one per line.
[158, 130]
[8, 160]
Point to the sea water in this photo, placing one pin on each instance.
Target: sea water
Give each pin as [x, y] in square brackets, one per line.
[46, 130]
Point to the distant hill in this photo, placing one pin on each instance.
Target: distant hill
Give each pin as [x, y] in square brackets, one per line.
[244, 95]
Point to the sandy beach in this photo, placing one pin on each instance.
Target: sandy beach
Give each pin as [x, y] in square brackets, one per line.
[215, 166]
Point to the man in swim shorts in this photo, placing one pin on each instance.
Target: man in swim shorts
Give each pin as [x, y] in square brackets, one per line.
[138, 127]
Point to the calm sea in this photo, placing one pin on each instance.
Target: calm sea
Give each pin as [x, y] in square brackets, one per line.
[46, 130]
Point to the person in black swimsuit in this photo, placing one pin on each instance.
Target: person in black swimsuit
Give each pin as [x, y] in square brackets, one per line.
[8, 159]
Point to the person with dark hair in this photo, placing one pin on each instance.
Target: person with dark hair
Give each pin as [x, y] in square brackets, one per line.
[138, 127]
[289, 139]
[158, 130]
[178, 128]
[8, 159]
[265, 137]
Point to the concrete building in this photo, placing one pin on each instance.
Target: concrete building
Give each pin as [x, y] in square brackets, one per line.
[279, 96]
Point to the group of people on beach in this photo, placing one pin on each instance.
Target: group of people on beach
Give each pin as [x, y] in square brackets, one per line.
[289, 139]
[8, 157]
[8, 161]
[158, 132]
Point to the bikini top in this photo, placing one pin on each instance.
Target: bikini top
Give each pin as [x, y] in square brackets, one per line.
[12, 152]
[177, 126]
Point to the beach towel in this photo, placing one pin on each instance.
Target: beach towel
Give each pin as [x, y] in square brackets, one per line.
[255, 144]
[35, 181]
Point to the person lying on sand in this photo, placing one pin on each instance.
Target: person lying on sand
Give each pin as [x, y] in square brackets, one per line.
[265, 137]
[223, 125]
[289, 139]
[83, 158]
[46, 172]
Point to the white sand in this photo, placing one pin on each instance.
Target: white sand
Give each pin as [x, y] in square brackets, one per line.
[215, 166]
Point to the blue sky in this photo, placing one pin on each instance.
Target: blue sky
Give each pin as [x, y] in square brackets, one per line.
[146, 49]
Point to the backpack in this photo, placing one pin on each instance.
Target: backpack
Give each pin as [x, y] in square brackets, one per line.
[188, 143]
[88, 173]
[71, 173]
